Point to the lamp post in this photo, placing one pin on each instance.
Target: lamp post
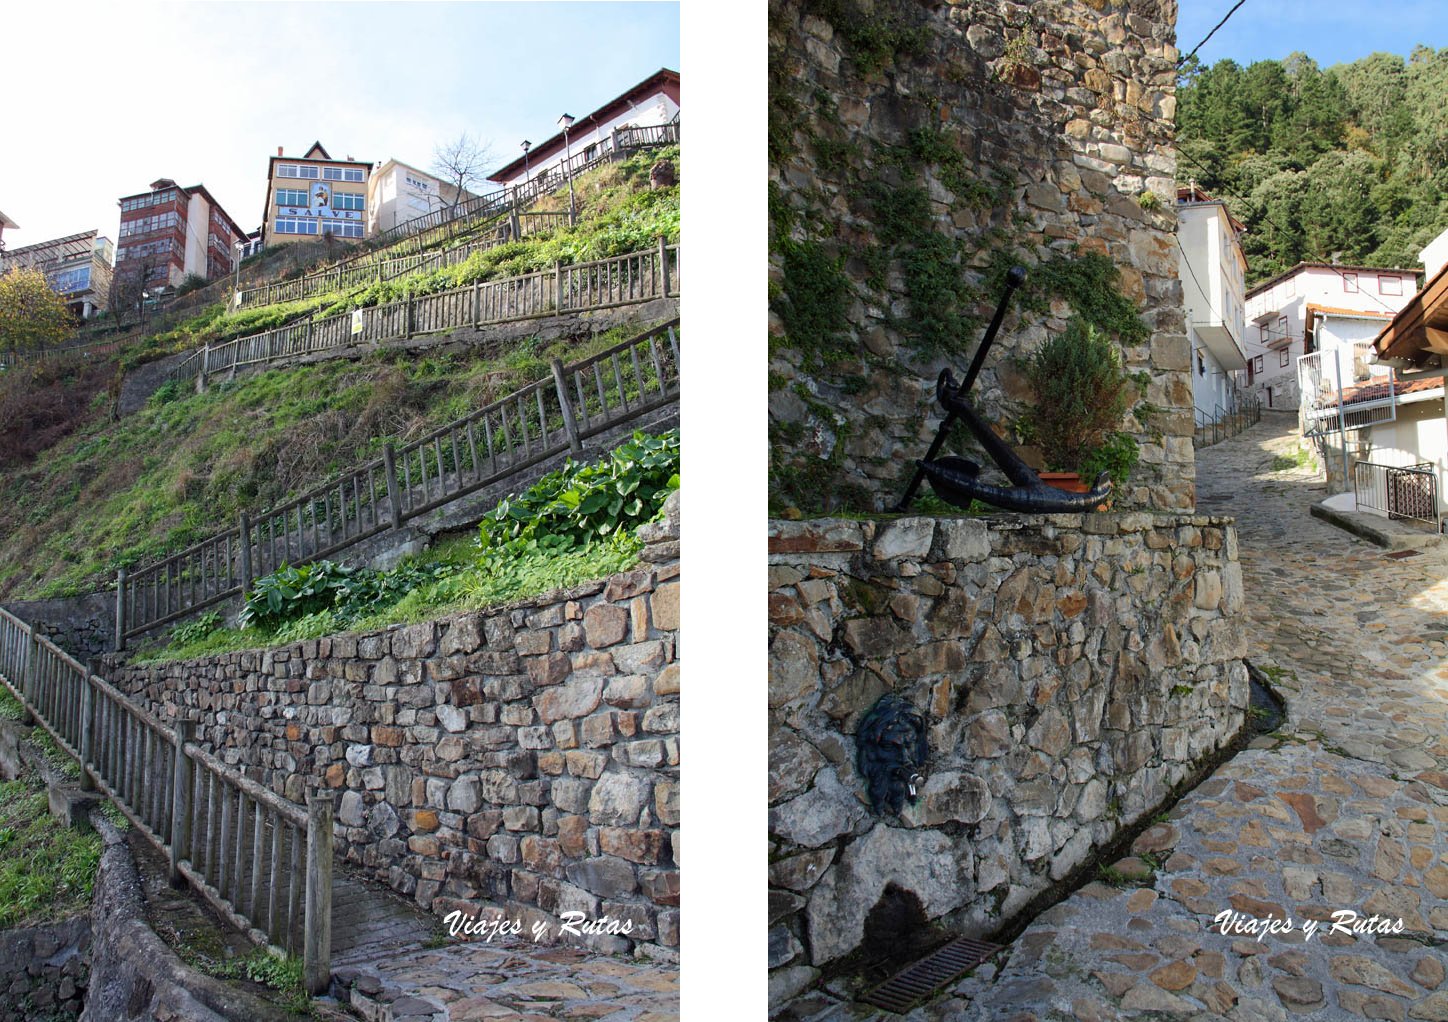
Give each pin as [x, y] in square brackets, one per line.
[236, 247]
[526, 146]
[565, 122]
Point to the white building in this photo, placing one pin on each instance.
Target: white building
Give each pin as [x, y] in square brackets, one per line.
[1212, 275]
[398, 192]
[1415, 344]
[1277, 310]
[651, 103]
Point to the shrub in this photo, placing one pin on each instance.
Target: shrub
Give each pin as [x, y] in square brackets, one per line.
[1082, 393]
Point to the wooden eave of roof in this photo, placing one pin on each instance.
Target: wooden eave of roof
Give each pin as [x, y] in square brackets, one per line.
[1420, 329]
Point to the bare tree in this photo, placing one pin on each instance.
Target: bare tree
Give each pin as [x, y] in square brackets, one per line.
[461, 163]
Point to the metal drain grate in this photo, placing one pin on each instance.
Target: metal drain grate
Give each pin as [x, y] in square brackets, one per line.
[1398, 555]
[916, 982]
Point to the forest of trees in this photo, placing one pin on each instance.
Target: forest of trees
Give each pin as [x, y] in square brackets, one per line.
[1348, 163]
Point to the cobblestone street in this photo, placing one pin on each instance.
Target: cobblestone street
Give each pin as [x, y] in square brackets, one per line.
[1344, 808]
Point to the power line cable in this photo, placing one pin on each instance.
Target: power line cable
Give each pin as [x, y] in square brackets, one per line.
[1213, 32]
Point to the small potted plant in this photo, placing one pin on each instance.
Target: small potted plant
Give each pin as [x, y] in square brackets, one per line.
[1082, 392]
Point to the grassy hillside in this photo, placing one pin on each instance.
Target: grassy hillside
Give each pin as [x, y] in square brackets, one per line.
[118, 493]
[617, 213]
[1347, 163]
[81, 494]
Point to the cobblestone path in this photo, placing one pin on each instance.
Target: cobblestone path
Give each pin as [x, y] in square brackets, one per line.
[1344, 808]
[469, 982]
[386, 958]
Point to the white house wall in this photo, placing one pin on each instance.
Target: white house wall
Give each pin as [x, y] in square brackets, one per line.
[1420, 434]
[657, 109]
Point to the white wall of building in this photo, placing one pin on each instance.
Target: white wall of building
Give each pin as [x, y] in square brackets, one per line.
[198, 225]
[397, 193]
[1278, 312]
[1212, 294]
[646, 113]
[1418, 435]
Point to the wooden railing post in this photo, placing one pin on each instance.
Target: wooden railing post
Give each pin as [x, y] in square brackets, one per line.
[558, 287]
[28, 679]
[408, 318]
[87, 732]
[205, 368]
[317, 923]
[394, 493]
[664, 262]
[180, 800]
[477, 303]
[570, 425]
[120, 610]
[245, 554]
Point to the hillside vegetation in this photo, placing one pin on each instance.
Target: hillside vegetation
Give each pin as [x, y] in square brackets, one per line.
[116, 494]
[82, 494]
[1348, 163]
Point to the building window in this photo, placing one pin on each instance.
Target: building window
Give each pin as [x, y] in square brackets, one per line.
[1350, 282]
[1201, 364]
[1258, 366]
[348, 200]
[1390, 285]
[1284, 357]
[342, 174]
[296, 225]
[292, 170]
[291, 197]
[342, 228]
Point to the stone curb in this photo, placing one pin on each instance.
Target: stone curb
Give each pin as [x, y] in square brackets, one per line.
[1366, 527]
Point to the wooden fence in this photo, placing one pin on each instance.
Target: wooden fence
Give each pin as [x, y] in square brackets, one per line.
[449, 222]
[263, 862]
[66, 353]
[608, 283]
[536, 422]
[360, 274]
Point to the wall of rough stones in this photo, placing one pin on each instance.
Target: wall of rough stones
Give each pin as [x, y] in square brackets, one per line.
[43, 970]
[523, 759]
[1030, 132]
[83, 626]
[1070, 670]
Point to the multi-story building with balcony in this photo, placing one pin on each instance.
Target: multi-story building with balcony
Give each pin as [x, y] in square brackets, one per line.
[314, 195]
[1213, 275]
[1339, 303]
[77, 267]
[171, 233]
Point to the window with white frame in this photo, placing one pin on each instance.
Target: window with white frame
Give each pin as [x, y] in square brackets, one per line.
[295, 225]
[343, 173]
[349, 200]
[342, 228]
[292, 197]
[295, 170]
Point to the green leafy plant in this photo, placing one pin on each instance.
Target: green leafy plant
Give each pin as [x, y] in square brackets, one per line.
[579, 504]
[1117, 457]
[1082, 392]
[292, 592]
[197, 629]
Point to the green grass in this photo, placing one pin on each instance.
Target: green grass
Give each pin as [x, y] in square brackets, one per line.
[127, 493]
[618, 213]
[1300, 457]
[47, 871]
[473, 587]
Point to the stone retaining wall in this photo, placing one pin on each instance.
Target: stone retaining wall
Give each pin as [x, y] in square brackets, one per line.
[916, 148]
[1070, 670]
[522, 758]
[43, 970]
[83, 626]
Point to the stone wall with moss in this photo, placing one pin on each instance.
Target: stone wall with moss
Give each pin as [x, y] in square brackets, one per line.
[918, 150]
[1069, 671]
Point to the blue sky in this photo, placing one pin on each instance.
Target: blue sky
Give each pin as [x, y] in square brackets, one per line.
[204, 93]
[1328, 32]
